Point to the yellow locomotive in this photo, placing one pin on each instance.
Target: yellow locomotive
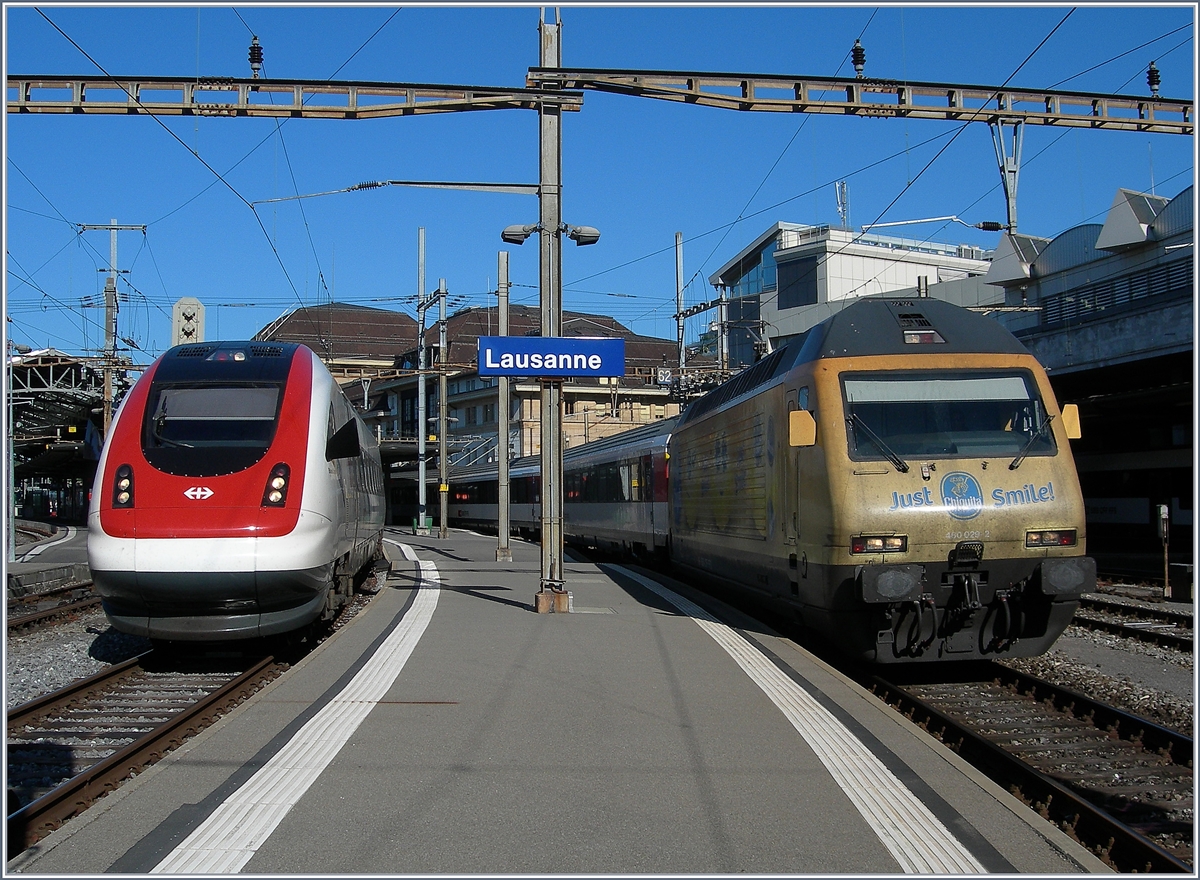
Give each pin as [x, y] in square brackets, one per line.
[901, 478]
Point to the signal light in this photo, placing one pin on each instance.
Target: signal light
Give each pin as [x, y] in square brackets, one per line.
[122, 495]
[275, 494]
[922, 337]
[879, 544]
[1050, 538]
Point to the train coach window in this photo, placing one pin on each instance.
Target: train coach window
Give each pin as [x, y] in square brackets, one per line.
[206, 430]
[945, 414]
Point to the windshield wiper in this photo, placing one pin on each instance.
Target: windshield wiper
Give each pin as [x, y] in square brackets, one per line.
[1016, 462]
[901, 464]
[167, 441]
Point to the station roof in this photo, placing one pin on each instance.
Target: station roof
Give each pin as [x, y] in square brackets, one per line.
[342, 330]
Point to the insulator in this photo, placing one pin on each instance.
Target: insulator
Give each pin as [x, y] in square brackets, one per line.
[256, 56]
[1153, 79]
[859, 56]
[990, 226]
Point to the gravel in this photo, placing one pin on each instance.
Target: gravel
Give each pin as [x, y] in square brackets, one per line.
[46, 660]
[1154, 682]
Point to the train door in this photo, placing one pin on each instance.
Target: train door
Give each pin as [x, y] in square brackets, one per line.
[797, 399]
[791, 501]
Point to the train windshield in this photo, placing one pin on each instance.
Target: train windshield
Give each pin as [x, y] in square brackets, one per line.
[208, 430]
[950, 414]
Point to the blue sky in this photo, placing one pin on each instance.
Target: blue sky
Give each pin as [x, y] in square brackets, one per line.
[639, 170]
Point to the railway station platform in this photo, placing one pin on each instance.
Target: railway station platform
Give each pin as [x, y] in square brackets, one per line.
[450, 729]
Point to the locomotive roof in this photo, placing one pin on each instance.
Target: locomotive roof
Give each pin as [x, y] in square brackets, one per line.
[877, 326]
[871, 326]
[264, 361]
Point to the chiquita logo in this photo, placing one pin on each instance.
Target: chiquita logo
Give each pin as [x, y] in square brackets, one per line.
[198, 493]
[961, 495]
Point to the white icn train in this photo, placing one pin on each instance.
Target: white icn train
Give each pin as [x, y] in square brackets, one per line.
[237, 496]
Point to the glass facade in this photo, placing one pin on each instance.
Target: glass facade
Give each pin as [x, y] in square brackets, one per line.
[758, 276]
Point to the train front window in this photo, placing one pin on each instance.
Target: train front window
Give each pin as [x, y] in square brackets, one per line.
[959, 414]
[206, 430]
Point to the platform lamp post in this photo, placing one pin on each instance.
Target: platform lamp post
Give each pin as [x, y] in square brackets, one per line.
[503, 551]
[11, 349]
[552, 595]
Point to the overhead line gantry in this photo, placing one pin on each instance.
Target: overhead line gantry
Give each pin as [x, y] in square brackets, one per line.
[1006, 110]
[879, 98]
[227, 96]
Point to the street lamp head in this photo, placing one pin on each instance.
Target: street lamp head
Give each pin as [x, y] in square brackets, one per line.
[518, 233]
[582, 235]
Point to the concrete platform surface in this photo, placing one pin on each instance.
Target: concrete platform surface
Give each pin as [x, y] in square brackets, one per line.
[450, 729]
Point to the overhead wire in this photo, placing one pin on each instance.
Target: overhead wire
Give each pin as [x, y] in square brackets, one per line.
[180, 141]
[954, 136]
[945, 147]
[774, 164]
[942, 151]
[219, 177]
[291, 171]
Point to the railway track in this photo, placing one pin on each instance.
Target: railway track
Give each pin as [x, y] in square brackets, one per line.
[1120, 785]
[49, 615]
[1169, 627]
[72, 746]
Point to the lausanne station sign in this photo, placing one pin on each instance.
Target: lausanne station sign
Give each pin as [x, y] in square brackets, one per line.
[551, 356]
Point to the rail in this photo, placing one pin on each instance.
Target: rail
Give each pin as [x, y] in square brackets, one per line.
[1121, 846]
[35, 820]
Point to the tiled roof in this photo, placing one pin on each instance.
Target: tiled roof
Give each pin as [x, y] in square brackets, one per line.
[340, 330]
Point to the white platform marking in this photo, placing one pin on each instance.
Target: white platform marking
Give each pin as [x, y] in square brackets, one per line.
[36, 549]
[911, 833]
[232, 834]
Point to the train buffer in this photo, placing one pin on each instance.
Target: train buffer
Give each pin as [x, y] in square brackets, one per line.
[450, 729]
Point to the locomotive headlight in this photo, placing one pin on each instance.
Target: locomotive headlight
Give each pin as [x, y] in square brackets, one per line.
[879, 544]
[123, 487]
[275, 493]
[1051, 538]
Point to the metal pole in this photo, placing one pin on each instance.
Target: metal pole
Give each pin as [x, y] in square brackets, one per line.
[1010, 164]
[110, 323]
[503, 551]
[550, 238]
[443, 406]
[10, 495]
[679, 297]
[722, 334]
[422, 418]
[110, 312]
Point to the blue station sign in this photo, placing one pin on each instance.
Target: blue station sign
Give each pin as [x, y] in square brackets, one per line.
[551, 356]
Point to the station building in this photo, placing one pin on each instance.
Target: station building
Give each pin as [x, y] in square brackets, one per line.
[792, 277]
[1107, 308]
[593, 408]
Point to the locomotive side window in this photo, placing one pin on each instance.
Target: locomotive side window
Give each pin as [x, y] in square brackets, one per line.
[207, 430]
[965, 414]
